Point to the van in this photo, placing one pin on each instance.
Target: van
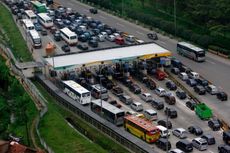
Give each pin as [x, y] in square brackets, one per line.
[146, 97]
[150, 114]
[183, 76]
[200, 144]
[137, 106]
[164, 132]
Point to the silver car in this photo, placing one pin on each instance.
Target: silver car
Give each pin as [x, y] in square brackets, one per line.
[180, 133]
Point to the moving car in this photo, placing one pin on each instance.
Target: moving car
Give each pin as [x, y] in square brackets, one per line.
[171, 112]
[183, 76]
[93, 11]
[222, 96]
[137, 106]
[190, 104]
[191, 82]
[171, 85]
[214, 125]
[135, 88]
[181, 94]
[200, 90]
[118, 91]
[65, 48]
[184, 145]
[175, 70]
[224, 148]
[150, 114]
[163, 144]
[211, 89]
[180, 133]
[115, 103]
[160, 91]
[44, 32]
[164, 123]
[209, 138]
[158, 104]
[125, 99]
[200, 144]
[146, 97]
[152, 36]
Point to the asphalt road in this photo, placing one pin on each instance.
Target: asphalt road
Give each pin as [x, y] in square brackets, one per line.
[215, 69]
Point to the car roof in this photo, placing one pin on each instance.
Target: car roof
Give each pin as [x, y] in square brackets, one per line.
[160, 88]
[147, 94]
[180, 129]
[150, 111]
[137, 103]
[177, 150]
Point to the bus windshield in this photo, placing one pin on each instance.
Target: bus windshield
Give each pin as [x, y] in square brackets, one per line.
[73, 37]
[120, 114]
[86, 95]
[201, 54]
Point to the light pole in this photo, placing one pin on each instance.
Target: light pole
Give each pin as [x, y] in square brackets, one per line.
[175, 16]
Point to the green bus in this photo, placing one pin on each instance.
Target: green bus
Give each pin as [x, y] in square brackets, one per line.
[39, 7]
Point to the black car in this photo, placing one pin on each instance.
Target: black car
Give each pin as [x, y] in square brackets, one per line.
[171, 85]
[191, 82]
[214, 125]
[190, 104]
[57, 37]
[184, 145]
[82, 46]
[222, 96]
[171, 112]
[93, 10]
[181, 94]
[19, 15]
[152, 36]
[175, 70]
[82, 38]
[163, 144]
[224, 148]
[202, 82]
[164, 123]
[185, 69]
[44, 32]
[118, 91]
[194, 129]
[150, 84]
[158, 104]
[200, 90]
[135, 88]
[65, 48]
[209, 138]
[93, 43]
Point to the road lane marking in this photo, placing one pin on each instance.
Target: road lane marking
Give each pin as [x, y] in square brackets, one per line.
[102, 17]
[120, 24]
[210, 62]
[140, 33]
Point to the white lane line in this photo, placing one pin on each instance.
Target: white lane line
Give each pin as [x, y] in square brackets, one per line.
[210, 62]
[55, 43]
[120, 24]
[102, 17]
[140, 33]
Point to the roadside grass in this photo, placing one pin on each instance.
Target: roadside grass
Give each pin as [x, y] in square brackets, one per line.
[58, 114]
[58, 134]
[16, 41]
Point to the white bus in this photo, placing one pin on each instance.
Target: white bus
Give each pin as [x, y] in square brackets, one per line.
[45, 20]
[35, 39]
[69, 36]
[99, 92]
[191, 51]
[109, 112]
[77, 92]
[28, 25]
[31, 15]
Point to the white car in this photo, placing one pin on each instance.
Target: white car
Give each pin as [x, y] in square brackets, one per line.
[137, 106]
[146, 97]
[160, 91]
[212, 89]
[111, 38]
[101, 37]
[116, 35]
[176, 151]
[200, 144]
[180, 133]
[105, 34]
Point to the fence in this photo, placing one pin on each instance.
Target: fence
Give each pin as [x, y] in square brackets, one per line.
[32, 90]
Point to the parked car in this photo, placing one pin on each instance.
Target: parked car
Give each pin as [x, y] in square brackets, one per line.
[190, 104]
[152, 36]
[202, 82]
[184, 145]
[44, 32]
[171, 112]
[171, 85]
[125, 99]
[158, 104]
[224, 148]
[181, 94]
[214, 125]
[222, 96]
[209, 138]
[82, 46]
[119, 41]
[183, 76]
[211, 89]
[165, 123]
[180, 133]
[137, 106]
[175, 70]
[115, 103]
[93, 10]
[200, 90]
[191, 82]
[111, 38]
[65, 48]
[170, 99]
[194, 129]
[57, 36]
[118, 91]
[146, 97]
[160, 91]
[93, 43]
[135, 88]
[163, 144]
[200, 144]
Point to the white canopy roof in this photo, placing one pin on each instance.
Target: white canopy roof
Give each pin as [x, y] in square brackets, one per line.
[143, 51]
